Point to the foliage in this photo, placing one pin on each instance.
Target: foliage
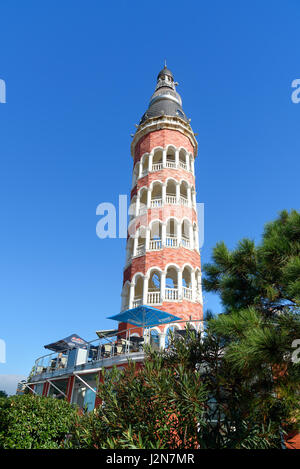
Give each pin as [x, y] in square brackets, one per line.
[3, 394]
[267, 276]
[156, 406]
[33, 422]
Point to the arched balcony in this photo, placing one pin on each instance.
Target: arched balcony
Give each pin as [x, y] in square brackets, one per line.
[157, 160]
[172, 233]
[160, 158]
[154, 287]
[156, 195]
[155, 241]
[170, 192]
[172, 284]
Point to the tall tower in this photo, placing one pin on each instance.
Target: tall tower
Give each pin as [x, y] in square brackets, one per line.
[162, 254]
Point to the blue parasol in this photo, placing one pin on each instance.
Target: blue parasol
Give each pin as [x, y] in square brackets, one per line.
[145, 316]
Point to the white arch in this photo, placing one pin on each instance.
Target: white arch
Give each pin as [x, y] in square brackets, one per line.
[171, 324]
[137, 274]
[148, 273]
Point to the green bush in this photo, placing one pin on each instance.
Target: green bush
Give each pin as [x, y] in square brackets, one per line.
[33, 422]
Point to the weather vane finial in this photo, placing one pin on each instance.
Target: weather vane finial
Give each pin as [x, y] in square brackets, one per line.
[165, 63]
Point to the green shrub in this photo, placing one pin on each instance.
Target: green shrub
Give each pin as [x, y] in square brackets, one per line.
[33, 422]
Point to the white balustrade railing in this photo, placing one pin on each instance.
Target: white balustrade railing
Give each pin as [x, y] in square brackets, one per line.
[154, 244]
[153, 298]
[171, 199]
[187, 293]
[185, 242]
[157, 166]
[171, 294]
[171, 242]
[184, 201]
[155, 203]
[168, 164]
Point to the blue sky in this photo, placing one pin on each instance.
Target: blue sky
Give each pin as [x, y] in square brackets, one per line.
[79, 75]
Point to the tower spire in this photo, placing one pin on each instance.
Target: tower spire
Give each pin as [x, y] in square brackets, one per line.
[165, 100]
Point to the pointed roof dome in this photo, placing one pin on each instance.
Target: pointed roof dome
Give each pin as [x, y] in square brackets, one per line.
[165, 100]
[165, 71]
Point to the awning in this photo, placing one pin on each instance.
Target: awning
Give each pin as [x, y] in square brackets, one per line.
[145, 316]
[107, 333]
[67, 343]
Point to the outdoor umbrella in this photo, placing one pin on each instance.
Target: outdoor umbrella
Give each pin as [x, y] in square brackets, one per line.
[145, 316]
[67, 343]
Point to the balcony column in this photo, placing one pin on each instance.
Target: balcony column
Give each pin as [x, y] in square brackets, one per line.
[162, 286]
[164, 158]
[145, 290]
[196, 239]
[200, 288]
[189, 196]
[193, 282]
[137, 206]
[191, 236]
[150, 162]
[177, 192]
[192, 165]
[135, 244]
[179, 280]
[131, 295]
[140, 168]
[177, 158]
[149, 191]
[164, 193]
[194, 199]
[163, 234]
[147, 238]
[178, 232]
[187, 161]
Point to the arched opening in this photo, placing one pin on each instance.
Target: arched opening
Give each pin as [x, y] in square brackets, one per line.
[183, 159]
[171, 192]
[171, 292]
[154, 284]
[143, 201]
[170, 159]
[141, 243]
[156, 195]
[155, 235]
[129, 249]
[154, 339]
[132, 208]
[187, 283]
[171, 233]
[138, 291]
[185, 233]
[157, 160]
[145, 166]
[184, 193]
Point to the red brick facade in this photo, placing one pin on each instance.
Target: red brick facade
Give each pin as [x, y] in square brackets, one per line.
[180, 256]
